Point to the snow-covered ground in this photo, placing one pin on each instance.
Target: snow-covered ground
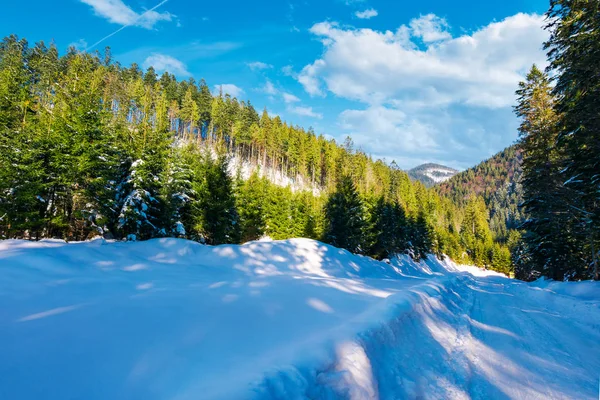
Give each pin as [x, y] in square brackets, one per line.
[439, 175]
[295, 319]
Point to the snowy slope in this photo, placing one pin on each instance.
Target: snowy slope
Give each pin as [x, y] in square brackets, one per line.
[170, 318]
[431, 174]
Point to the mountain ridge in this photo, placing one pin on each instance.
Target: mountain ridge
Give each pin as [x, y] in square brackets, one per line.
[431, 174]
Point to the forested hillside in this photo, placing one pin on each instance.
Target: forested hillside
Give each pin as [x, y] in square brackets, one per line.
[94, 148]
[497, 181]
[431, 173]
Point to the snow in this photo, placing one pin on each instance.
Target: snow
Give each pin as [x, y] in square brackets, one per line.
[294, 319]
[439, 175]
[275, 176]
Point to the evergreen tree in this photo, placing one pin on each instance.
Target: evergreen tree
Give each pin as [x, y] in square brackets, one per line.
[421, 238]
[251, 205]
[475, 232]
[217, 220]
[548, 228]
[574, 55]
[345, 217]
[21, 185]
[177, 194]
[389, 229]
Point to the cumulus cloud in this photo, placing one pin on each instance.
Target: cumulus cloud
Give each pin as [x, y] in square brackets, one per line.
[258, 65]
[289, 98]
[372, 66]
[305, 112]
[269, 88]
[230, 89]
[430, 28]
[117, 12]
[423, 88]
[163, 62]
[385, 123]
[367, 14]
[288, 70]
[309, 78]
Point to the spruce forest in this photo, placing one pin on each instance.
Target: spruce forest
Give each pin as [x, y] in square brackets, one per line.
[89, 147]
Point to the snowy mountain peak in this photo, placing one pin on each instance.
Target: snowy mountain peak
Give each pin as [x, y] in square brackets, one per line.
[431, 174]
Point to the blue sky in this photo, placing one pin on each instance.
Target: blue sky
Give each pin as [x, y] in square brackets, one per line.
[428, 81]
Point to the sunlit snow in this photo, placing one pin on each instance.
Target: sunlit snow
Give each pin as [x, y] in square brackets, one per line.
[295, 319]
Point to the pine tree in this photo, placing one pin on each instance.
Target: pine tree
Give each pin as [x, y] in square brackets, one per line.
[139, 217]
[475, 232]
[345, 218]
[251, 205]
[574, 54]
[421, 237]
[548, 229]
[177, 194]
[217, 218]
[21, 196]
[278, 213]
[389, 229]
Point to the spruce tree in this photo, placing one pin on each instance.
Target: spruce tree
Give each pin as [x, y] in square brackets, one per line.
[217, 217]
[177, 193]
[549, 226]
[421, 237]
[574, 54]
[345, 217]
[475, 232]
[252, 199]
[389, 229]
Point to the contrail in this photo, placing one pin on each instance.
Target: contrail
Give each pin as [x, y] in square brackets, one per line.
[125, 26]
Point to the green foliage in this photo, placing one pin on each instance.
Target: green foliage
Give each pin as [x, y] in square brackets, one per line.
[389, 229]
[217, 218]
[497, 181]
[346, 225]
[90, 147]
[559, 131]
[252, 198]
[574, 55]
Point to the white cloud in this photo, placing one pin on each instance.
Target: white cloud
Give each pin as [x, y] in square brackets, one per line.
[258, 65]
[289, 98]
[305, 112]
[426, 93]
[81, 44]
[308, 77]
[388, 129]
[229, 88]
[430, 28]
[269, 88]
[117, 12]
[163, 62]
[371, 66]
[288, 70]
[367, 14]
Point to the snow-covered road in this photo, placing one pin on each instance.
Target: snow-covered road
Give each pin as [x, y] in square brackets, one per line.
[172, 319]
[531, 343]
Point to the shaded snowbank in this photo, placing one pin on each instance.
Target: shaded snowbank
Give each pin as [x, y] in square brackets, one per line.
[170, 318]
[588, 290]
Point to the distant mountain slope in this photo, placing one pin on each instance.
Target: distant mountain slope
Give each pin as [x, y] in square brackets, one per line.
[431, 174]
[497, 181]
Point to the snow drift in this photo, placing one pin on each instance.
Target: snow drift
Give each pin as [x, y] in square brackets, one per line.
[170, 318]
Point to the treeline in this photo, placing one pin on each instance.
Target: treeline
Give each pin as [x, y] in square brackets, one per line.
[498, 181]
[89, 147]
[560, 140]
